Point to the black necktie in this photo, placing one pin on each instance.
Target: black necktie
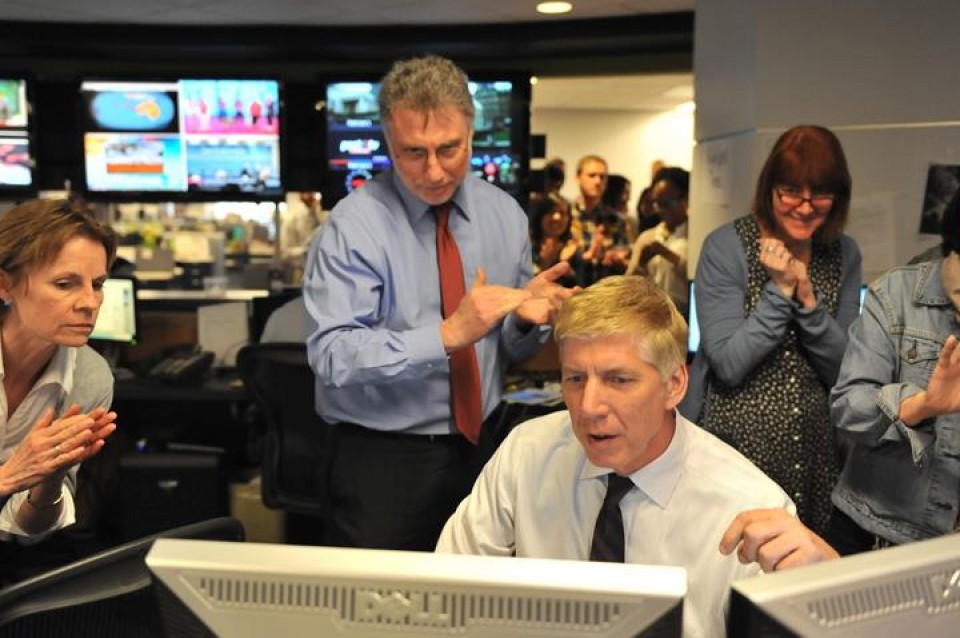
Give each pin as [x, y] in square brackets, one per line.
[607, 543]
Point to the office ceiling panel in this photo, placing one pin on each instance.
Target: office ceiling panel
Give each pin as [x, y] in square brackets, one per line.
[633, 92]
[319, 12]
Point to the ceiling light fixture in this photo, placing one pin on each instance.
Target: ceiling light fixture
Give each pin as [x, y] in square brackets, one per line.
[554, 8]
[533, 80]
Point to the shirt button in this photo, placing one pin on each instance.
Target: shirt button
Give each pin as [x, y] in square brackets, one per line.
[796, 410]
[796, 437]
[798, 467]
[793, 379]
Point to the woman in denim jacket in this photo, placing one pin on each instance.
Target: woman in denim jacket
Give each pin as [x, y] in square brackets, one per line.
[897, 405]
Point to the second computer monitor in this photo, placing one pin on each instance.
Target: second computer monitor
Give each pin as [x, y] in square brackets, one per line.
[117, 321]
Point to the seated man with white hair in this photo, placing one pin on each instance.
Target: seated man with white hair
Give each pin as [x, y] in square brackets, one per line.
[687, 499]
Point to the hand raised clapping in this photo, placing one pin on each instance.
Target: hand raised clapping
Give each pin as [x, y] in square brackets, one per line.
[787, 271]
[52, 445]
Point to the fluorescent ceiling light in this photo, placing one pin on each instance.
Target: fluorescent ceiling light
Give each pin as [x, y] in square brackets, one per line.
[554, 8]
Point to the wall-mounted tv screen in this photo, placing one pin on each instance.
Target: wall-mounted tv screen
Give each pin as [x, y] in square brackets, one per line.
[16, 159]
[357, 149]
[184, 138]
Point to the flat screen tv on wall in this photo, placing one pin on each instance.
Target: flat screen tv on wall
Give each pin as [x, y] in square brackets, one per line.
[183, 139]
[16, 150]
[356, 148]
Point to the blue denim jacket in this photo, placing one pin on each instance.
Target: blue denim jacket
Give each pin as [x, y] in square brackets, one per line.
[900, 483]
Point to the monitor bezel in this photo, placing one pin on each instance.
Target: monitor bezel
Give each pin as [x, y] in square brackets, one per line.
[257, 587]
[845, 597]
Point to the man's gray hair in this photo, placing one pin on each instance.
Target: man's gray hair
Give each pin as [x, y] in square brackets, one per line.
[425, 84]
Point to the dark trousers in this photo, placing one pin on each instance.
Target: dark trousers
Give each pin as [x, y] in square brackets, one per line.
[396, 491]
[845, 536]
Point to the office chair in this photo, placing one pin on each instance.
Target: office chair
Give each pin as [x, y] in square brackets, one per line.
[298, 443]
[110, 594]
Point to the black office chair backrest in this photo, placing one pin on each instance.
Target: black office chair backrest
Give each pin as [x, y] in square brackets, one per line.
[297, 445]
[110, 594]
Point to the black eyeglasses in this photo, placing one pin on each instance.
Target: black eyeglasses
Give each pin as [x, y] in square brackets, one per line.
[792, 196]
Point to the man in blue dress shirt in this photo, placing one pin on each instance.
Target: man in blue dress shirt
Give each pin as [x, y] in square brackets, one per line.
[381, 347]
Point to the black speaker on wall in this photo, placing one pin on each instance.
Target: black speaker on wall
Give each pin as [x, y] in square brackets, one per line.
[164, 490]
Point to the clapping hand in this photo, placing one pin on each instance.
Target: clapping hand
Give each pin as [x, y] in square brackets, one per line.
[942, 395]
[787, 272]
[53, 445]
[546, 295]
[480, 310]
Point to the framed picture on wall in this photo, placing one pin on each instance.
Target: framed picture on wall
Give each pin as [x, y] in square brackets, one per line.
[943, 180]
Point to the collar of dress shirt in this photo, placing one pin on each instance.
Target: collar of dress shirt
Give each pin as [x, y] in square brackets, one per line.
[658, 479]
[59, 371]
[416, 208]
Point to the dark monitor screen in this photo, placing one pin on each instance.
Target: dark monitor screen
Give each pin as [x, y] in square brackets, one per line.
[183, 137]
[357, 148]
[117, 321]
[16, 154]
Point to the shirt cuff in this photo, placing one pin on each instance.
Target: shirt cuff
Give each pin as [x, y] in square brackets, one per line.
[920, 437]
[8, 517]
[424, 346]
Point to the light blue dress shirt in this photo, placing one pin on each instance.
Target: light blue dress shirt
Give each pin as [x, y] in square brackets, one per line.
[372, 287]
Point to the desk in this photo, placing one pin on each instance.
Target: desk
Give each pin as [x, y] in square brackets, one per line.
[208, 413]
[212, 389]
[167, 318]
[200, 296]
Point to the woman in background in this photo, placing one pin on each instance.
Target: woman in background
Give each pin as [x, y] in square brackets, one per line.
[551, 238]
[775, 294]
[56, 391]
[660, 253]
[897, 404]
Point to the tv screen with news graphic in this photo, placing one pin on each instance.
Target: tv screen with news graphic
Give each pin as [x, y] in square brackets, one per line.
[356, 146]
[183, 138]
[16, 158]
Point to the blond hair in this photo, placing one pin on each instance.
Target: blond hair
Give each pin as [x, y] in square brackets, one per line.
[628, 305]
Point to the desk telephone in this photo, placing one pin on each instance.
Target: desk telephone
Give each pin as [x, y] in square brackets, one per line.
[180, 365]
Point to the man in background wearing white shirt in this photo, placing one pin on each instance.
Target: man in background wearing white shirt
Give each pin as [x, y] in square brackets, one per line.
[694, 499]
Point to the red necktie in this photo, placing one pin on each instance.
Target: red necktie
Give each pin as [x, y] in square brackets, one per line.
[464, 371]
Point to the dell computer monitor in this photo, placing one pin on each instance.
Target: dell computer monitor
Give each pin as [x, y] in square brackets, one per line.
[117, 321]
[910, 590]
[255, 590]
